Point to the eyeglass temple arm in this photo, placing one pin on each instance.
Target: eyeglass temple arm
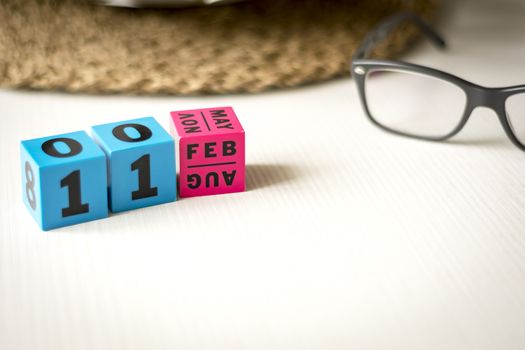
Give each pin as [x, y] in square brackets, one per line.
[388, 25]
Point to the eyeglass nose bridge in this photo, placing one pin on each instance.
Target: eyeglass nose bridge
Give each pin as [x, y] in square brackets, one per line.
[479, 96]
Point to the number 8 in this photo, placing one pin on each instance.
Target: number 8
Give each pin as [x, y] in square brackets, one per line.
[30, 186]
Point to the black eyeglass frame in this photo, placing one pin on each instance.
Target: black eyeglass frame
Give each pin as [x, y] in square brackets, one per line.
[476, 96]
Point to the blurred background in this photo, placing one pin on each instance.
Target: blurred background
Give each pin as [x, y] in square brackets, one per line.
[248, 46]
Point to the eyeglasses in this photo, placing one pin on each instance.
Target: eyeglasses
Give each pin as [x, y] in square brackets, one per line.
[390, 92]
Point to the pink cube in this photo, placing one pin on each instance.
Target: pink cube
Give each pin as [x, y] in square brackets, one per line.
[211, 151]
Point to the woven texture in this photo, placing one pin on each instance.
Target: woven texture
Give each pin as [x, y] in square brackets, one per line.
[253, 46]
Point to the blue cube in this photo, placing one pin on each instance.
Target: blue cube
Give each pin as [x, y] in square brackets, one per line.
[64, 179]
[141, 157]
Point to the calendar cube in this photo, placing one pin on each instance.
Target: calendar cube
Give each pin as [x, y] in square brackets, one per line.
[141, 162]
[211, 145]
[64, 179]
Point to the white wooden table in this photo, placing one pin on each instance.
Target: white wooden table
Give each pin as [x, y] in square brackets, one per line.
[347, 238]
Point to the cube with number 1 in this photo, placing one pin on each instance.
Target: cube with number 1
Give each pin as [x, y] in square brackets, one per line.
[64, 179]
[141, 161]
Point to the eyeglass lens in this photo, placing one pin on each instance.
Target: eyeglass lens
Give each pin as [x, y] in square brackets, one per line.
[415, 104]
[515, 106]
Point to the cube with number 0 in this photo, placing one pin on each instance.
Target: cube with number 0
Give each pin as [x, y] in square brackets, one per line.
[141, 162]
[64, 179]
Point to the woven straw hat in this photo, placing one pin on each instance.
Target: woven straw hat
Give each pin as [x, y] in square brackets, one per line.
[251, 46]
